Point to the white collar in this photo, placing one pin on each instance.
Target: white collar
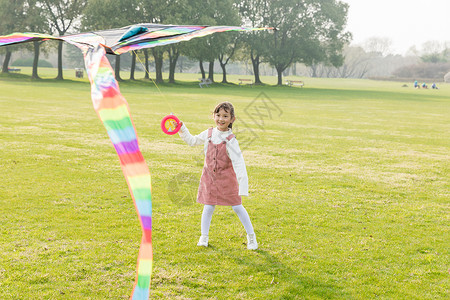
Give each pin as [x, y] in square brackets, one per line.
[222, 132]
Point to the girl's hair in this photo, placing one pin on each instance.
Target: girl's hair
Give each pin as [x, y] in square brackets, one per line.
[228, 107]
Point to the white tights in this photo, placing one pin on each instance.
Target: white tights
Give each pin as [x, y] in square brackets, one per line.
[238, 209]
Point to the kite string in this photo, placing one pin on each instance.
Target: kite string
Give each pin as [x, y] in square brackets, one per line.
[154, 82]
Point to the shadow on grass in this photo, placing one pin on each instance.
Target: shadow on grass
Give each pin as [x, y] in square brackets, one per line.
[292, 284]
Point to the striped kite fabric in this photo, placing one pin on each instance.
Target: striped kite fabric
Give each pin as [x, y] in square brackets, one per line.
[132, 37]
[113, 111]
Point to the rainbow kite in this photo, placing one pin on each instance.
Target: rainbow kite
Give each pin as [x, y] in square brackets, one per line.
[113, 111]
[132, 37]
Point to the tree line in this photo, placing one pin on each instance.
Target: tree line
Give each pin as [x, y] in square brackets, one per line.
[306, 31]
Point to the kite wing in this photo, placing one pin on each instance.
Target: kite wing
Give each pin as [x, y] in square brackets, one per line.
[133, 37]
[18, 38]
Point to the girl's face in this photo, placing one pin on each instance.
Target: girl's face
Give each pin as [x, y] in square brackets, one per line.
[223, 119]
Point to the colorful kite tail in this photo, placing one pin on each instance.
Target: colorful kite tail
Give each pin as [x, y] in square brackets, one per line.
[113, 111]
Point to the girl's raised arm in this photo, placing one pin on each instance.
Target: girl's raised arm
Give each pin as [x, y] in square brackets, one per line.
[192, 140]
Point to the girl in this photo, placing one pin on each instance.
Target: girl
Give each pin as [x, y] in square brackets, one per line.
[224, 178]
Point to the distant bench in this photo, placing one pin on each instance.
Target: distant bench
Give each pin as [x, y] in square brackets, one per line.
[295, 82]
[79, 73]
[14, 70]
[204, 81]
[246, 81]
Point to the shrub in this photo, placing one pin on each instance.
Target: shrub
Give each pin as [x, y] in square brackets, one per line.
[423, 70]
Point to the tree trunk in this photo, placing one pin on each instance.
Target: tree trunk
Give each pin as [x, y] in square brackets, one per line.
[172, 66]
[224, 72]
[34, 74]
[158, 67]
[223, 65]
[313, 69]
[211, 71]
[133, 65]
[60, 68]
[147, 70]
[223, 62]
[117, 68]
[256, 73]
[202, 70]
[280, 75]
[180, 65]
[174, 53]
[255, 64]
[6, 61]
[158, 56]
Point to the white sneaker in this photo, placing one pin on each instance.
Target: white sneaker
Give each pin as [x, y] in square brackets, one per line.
[252, 244]
[203, 241]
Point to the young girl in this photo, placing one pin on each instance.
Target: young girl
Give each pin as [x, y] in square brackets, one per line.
[224, 178]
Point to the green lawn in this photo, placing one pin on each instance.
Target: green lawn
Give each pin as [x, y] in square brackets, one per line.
[349, 192]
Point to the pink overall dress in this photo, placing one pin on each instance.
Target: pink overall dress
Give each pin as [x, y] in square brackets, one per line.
[218, 184]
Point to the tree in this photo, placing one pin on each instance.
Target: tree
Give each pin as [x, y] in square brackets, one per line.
[434, 52]
[35, 22]
[253, 13]
[158, 56]
[175, 12]
[133, 65]
[258, 50]
[154, 11]
[361, 64]
[22, 15]
[217, 12]
[218, 47]
[11, 15]
[423, 71]
[356, 64]
[433, 62]
[199, 14]
[108, 14]
[61, 15]
[147, 70]
[194, 50]
[381, 45]
[223, 46]
[174, 53]
[227, 53]
[306, 31]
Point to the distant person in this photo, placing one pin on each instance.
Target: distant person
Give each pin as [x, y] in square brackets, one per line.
[224, 178]
[416, 85]
[434, 86]
[424, 85]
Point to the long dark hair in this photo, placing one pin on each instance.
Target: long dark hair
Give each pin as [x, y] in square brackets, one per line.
[228, 107]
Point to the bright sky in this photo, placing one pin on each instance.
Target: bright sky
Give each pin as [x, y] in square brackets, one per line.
[405, 22]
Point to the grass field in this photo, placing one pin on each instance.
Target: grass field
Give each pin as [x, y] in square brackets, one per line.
[349, 193]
